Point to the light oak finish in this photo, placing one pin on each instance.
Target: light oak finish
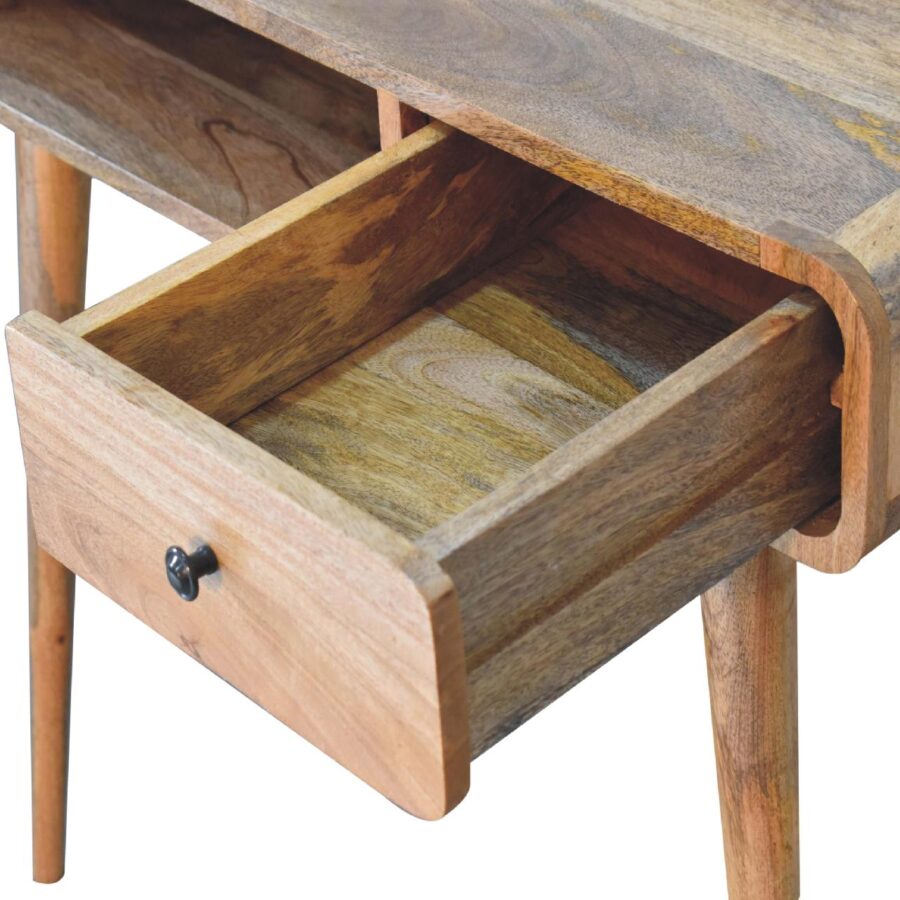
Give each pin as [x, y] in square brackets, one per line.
[421, 422]
[201, 120]
[486, 429]
[53, 209]
[639, 541]
[333, 623]
[307, 283]
[572, 358]
[396, 120]
[740, 135]
[865, 398]
[750, 627]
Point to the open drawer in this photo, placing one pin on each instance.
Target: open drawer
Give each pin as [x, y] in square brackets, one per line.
[457, 432]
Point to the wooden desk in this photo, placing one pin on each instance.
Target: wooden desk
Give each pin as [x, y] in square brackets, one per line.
[463, 419]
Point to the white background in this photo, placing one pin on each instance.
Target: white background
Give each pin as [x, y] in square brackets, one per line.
[181, 787]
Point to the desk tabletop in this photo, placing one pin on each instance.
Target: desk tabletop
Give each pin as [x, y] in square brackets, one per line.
[717, 117]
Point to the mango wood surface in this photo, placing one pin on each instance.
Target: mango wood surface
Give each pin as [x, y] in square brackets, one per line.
[443, 427]
[420, 423]
[865, 397]
[436, 412]
[53, 210]
[286, 295]
[795, 40]
[443, 423]
[738, 142]
[559, 570]
[524, 419]
[322, 615]
[750, 628]
[712, 144]
[678, 114]
[874, 240]
[207, 123]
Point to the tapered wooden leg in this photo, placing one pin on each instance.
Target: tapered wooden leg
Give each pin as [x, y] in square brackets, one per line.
[52, 594]
[54, 202]
[750, 625]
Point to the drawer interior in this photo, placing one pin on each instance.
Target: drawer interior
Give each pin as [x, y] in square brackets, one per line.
[585, 418]
[490, 358]
[190, 114]
[472, 390]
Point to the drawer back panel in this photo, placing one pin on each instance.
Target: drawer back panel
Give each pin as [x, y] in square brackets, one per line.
[245, 318]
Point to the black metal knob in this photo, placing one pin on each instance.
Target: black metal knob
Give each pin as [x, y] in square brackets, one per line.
[185, 570]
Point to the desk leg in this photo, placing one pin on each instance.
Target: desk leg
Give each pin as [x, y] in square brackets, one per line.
[396, 120]
[750, 626]
[53, 206]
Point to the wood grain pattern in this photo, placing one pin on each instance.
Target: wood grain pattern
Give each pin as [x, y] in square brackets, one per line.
[644, 255]
[435, 413]
[508, 316]
[51, 590]
[472, 400]
[209, 124]
[708, 137]
[396, 120]
[309, 282]
[540, 423]
[874, 240]
[421, 422]
[411, 428]
[293, 85]
[53, 211]
[672, 111]
[716, 147]
[710, 133]
[750, 628]
[311, 592]
[751, 443]
[795, 40]
[614, 333]
[865, 396]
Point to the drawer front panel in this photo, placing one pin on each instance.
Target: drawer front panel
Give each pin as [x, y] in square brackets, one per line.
[336, 638]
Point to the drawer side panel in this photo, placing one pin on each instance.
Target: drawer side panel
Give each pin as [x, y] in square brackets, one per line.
[613, 532]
